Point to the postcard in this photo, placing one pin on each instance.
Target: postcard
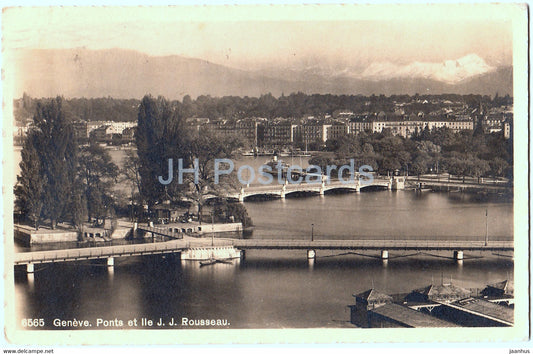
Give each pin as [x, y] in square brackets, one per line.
[265, 174]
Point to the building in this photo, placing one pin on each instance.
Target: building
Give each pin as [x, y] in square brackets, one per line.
[364, 302]
[396, 315]
[128, 134]
[113, 127]
[245, 128]
[359, 124]
[507, 129]
[167, 213]
[336, 130]
[81, 130]
[312, 132]
[102, 134]
[279, 134]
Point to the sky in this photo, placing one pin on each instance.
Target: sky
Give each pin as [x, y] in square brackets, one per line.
[252, 38]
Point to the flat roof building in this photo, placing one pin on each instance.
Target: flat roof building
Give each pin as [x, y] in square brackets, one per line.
[395, 315]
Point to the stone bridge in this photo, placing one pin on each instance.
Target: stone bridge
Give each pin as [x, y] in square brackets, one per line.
[317, 188]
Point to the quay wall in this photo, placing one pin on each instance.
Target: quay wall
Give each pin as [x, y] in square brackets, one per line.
[30, 236]
[230, 227]
[197, 229]
[121, 232]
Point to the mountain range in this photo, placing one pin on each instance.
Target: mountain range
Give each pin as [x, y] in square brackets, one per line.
[122, 73]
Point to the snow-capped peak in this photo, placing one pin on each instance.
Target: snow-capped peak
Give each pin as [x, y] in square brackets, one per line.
[449, 71]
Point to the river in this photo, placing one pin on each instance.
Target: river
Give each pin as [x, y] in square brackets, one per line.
[280, 289]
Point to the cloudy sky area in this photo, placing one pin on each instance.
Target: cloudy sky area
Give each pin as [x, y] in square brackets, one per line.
[240, 41]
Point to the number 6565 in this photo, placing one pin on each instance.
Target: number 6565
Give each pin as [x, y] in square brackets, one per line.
[32, 322]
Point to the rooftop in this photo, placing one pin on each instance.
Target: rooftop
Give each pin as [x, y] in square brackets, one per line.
[486, 309]
[410, 317]
[443, 290]
[372, 295]
[507, 286]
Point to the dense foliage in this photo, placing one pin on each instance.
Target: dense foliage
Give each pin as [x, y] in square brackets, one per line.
[58, 180]
[162, 135]
[267, 106]
[466, 153]
[47, 184]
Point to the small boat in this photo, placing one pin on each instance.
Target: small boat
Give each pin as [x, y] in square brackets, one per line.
[211, 261]
[208, 262]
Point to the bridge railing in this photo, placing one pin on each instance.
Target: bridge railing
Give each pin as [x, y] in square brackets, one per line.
[376, 244]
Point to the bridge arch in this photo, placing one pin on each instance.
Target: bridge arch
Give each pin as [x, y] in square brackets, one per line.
[302, 192]
[373, 187]
[261, 196]
[341, 189]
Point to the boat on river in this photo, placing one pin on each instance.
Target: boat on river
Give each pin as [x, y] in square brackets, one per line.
[211, 261]
[208, 262]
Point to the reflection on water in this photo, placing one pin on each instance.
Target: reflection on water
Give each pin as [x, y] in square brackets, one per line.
[268, 289]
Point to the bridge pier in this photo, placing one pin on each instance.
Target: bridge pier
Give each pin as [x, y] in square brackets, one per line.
[111, 262]
[30, 268]
[458, 255]
[384, 254]
[243, 255]
[311, 254]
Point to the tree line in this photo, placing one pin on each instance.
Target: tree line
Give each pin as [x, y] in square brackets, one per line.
[267, 106]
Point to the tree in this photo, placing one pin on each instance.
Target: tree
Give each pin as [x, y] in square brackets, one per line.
[130, 174]
[420, 164]
[98, 174]
[476, 167]
[205, 149]
[79, 207]
[56, 146]
[31, 181]
[498, 166]
[161, 135]
[457, 166]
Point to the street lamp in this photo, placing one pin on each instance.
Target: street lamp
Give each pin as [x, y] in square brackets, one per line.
[312, 229]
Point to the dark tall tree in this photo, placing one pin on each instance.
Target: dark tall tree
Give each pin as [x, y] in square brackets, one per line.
[161, 135]
[130, 175]
[31, 181]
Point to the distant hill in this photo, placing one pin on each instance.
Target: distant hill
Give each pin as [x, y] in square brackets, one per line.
[130, 74]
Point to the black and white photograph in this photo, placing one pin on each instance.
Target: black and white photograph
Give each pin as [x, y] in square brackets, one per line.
[265, 174]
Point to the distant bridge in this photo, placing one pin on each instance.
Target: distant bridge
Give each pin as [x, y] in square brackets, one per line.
[283, 190]
[458, 247]
[392, 245]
